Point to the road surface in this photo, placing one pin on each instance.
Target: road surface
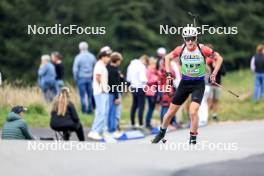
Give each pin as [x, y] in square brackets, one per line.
[224, 149]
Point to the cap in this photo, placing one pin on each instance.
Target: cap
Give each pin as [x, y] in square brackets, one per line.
[18, 109]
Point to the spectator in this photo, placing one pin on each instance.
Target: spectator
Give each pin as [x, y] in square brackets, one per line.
[15, 126]
[151, 90]
[47, 78]
[64, 116]
[257, 66]
[166, 93]
[106, 48]
[203, 112]
[100, 86]
[114, 80]
[137, 77]
[59, 68]
[214, 94]
[161, 53]
[83, 72]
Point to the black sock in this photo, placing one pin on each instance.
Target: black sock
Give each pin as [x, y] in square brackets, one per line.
[163, 130]
[193, 136]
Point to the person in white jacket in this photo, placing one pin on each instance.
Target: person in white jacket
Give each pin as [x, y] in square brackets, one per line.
[137, 77]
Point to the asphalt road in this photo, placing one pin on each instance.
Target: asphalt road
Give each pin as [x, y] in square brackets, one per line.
[223, 149]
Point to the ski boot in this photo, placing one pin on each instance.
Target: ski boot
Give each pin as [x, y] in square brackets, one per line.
[159, 137]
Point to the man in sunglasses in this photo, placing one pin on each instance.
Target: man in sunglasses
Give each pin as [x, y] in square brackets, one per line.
[191, 56]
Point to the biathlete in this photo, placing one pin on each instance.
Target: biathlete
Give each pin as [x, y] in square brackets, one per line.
[192, 57]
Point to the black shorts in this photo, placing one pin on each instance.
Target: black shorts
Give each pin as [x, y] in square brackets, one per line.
[187, 87]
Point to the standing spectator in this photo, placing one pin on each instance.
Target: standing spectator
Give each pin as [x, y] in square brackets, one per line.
[166, 92]
[114, 80]
[106, 48]
[56, 58]
[64, 116]
[214, 95]
[15, 126]
[257, 66]
[83, 72]
[47, 78]
[151, 90]
[137, 77]
[100, 86]
[161, 53]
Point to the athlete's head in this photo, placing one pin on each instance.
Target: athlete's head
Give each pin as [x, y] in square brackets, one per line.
[189, 35]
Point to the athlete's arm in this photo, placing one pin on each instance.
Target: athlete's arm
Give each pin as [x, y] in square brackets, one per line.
[218, 62]
[208, 52]
[168, 58]
[173, 54]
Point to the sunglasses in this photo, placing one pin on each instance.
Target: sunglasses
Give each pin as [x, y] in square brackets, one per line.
[190, 39]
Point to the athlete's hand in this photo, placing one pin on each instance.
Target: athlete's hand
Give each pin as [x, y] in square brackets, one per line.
[212, 78]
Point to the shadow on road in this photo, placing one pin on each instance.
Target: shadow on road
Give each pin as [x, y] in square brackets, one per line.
[253, 165]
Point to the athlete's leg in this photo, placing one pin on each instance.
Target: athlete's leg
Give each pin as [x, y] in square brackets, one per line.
[169, 115]
[179, 97]
[194, 107]
[197, 96]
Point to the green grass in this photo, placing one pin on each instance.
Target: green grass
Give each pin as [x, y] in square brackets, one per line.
[243, 108]
[39, 117]
[230, 109]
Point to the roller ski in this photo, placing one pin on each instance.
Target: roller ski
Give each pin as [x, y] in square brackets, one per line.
[160, 137]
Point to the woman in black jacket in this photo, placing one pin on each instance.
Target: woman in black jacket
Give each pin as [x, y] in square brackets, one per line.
[64, 116]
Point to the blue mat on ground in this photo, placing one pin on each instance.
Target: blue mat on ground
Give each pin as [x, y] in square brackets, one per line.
[155, 130]
[130, 135]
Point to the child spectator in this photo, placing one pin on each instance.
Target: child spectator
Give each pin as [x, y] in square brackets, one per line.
[114, 80]
[167, 92]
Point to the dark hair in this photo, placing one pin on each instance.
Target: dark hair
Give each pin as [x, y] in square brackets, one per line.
[57, 54]
[18, 109]
[115, 56]
[103, 54]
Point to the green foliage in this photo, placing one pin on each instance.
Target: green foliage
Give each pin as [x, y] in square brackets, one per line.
[132, 27]
[37, 109]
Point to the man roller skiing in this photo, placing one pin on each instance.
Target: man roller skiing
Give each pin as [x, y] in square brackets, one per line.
[191, 56]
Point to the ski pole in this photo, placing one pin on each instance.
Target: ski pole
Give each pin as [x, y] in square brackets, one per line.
[222, 87]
